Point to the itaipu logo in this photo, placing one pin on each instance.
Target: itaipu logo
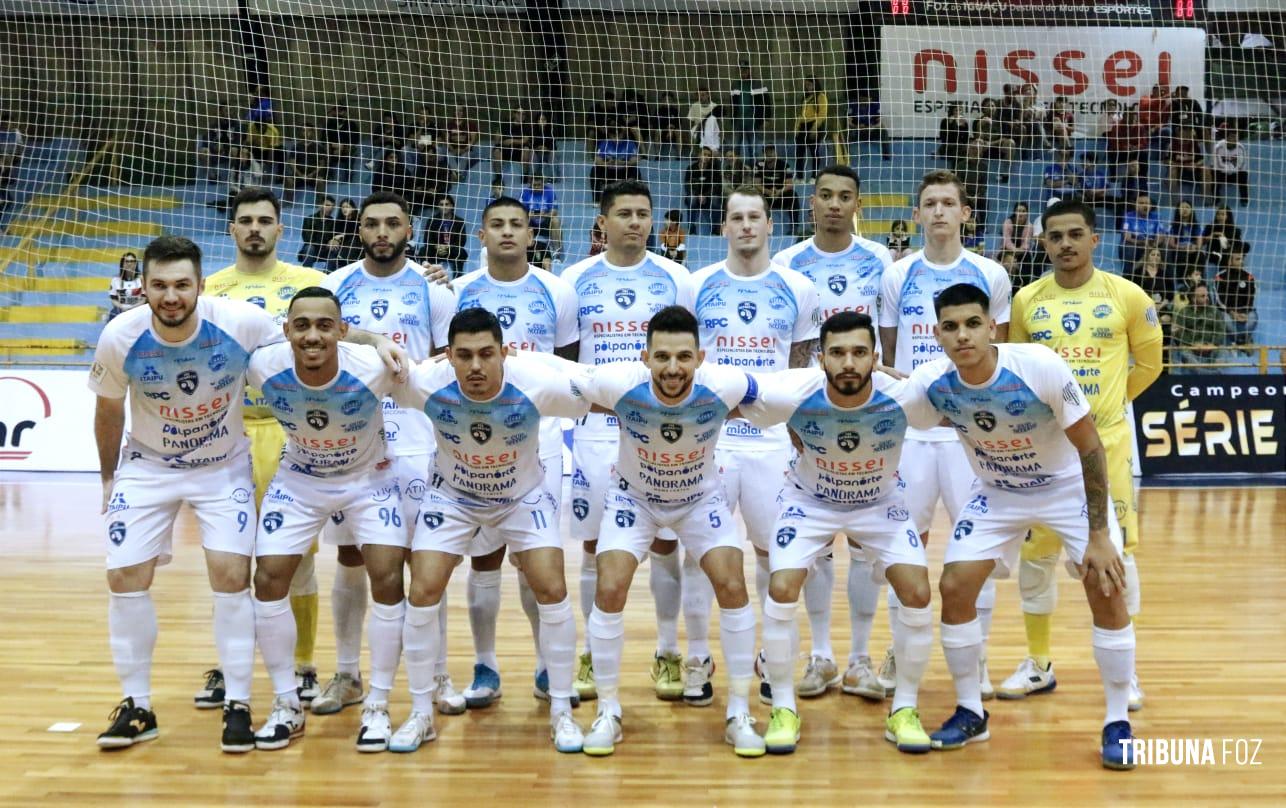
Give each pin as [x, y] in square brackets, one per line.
[26, 407]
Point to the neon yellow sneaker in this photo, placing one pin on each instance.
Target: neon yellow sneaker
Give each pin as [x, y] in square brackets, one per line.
[783, 731]
[667, 672]
[903, 728]
[584, 684]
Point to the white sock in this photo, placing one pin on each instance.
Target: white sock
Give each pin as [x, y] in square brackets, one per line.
[891, 600]
[817, 599]
[962, 646]
[440, 664]
[911, 649]
[666, 582]
[737, 637]
[588, 588]
[131, 625]
[532, 609]
[863, 597]
[274, 629]
[558, 636]
[781, 638]
[234, 639]
[484, 609]
[1133, 597]
[698, 599]
[384, 636]
[984, 604]
[348, 608]
[763, 574]
[419, 649]
[606, 632]
[1114, 653]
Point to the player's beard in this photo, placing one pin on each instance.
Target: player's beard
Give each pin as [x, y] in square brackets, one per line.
[849, 385]
[664, 382]
[256, 250]
[399, 247]
[174, 322]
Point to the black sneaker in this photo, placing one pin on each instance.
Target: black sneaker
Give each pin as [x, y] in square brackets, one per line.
[213, 693]
[238, 737]
[308, 688]
[130, 725]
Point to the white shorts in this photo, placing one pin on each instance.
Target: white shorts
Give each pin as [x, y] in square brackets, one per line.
[411, 472]
[752, 480]
[139, 522]
[994, 522]
[630, 524]
[806, 527]
[934, 470]
[368, 507]
[593, 471]
[449, 525]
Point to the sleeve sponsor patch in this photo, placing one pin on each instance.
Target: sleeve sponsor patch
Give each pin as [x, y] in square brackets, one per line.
[98, 371]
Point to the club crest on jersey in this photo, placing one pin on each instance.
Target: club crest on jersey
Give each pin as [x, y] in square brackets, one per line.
[625, 518]
[580, 508]
[272, 520]
[837, 284]
[746, 310]
[985, 420]
[625, 298]
[258, 301]
[506, 315]
[379, 308]
[116, 532]
[785, 536]
[187, 381]
[317, 419]
[672, 432]
[1071, 322]
[480, 431]
[848, 441]
[433, 520]
[963, 528]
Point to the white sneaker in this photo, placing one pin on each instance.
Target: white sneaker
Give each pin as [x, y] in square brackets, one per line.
[566, 733]
[285, 723]
[603, 736]
[341, 691]
[860, 680]
[448, 700]
[1136, 694]
[1028, 680]
[888, 675]
[821, 675]
[418, 729]
[984, 681]
[739, 733]
[376, 729]
[697, 690]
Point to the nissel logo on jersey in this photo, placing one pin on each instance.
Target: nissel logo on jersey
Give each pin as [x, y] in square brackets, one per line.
[379, 308]
[746, 310]
[625, 298]
[837, 284]
[507, 315]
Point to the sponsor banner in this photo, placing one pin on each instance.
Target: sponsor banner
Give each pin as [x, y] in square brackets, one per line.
[1212, 425]
[364, 7]
[46, 421]
[924, 67]
[118, 8]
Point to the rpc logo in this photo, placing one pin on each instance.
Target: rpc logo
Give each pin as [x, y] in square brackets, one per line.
[907, 311]
[715, 322]
[23, 412]
[588, 310]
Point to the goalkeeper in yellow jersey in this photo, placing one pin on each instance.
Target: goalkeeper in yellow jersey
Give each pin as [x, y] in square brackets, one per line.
[1107, 330]
[259, 277]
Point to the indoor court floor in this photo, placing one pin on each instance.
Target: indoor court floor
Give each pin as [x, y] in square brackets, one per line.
[1211, 658]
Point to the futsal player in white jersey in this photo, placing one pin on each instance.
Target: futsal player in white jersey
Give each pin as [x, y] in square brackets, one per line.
[754, 316]
[934, 466]
[537, 312]
[851, 426]
[671, 409]
[488, 477]
[846, 270]
[387, 294]
[617, 292]
[182, 361]
[328, 397]
[1038, 460]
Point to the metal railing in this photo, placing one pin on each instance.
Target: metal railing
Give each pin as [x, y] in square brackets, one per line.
[1235, 359]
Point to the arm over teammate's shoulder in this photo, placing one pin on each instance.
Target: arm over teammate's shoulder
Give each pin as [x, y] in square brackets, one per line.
[912, 397]
[780, 394]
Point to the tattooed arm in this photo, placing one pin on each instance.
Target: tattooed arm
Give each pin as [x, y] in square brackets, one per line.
[801, 353]
[1101, 558]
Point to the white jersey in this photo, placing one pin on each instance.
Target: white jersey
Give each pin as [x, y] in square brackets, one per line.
[488, 452]
[537, 312]
[666, 452]
[909, 288]
[1012, 426]
[334, 429]
[751, 323]
[848, 280]
[185, 398]
[614, 305]
[407, 309]
[850, 456]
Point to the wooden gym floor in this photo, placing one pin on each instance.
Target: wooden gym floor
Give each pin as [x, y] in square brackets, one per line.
[1212, 659]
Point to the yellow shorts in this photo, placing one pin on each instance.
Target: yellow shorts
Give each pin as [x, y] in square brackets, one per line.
[1119, 446]
[267, 439]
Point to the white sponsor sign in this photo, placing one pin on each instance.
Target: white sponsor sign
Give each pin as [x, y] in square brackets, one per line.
[119, 8]
[46, 421]
[924, 67]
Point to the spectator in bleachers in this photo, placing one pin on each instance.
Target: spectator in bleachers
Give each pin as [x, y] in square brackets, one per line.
[319, 230]
[810, 127]
[1221, 236]
[1187, 162]
[1153, 279]
[1062, 124]
[602, 119]
[340, 134]
[125, 291]
[970, 238]
[346, 244]
[259, 109]
[703, 121]
[1154, 109]
[1127, 142]
[674, 239]
[667, 127]
[898, 240]
[1183, 242]
[544, 148]
[1186, 111]
[1021, 272]
[1230, 165]
[513, 145]
[1109, 117]
[702, 193]
[629, 115]
[1235, 290]
[991, 137]
[597, 239]
[307, 158]
[1128, 189]
[1187, 287]
[390, 135]
[461, 142]
[733, 173]
[266, 146]
[1017, 235]
[216, 148]
[1200, 332]
[1141, 229]
[424, 124]
[1021, 118]
[616, 159]
[546, 227]
[391, 175]
[749, 111]
[444, 237]
[772, 174]
[975, 172]
[953, 135]
[1095, 184]
[1062, 180]
[866, 125]
[429, 176]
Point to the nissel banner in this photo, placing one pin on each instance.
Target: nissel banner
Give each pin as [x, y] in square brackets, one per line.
[1210, 425]
[925, 67]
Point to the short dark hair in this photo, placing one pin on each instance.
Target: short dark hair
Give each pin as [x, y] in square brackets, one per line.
[837, 170]
[167, 249]
[941, 176]
[251, 194]
[842, 322]
[622, 188]
[961, 294]
[674, 320]
[748, 190]
[384, 198]
[311, 292]
[474, 321]
[504, 202]
[328, 198]
[1066, 207]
